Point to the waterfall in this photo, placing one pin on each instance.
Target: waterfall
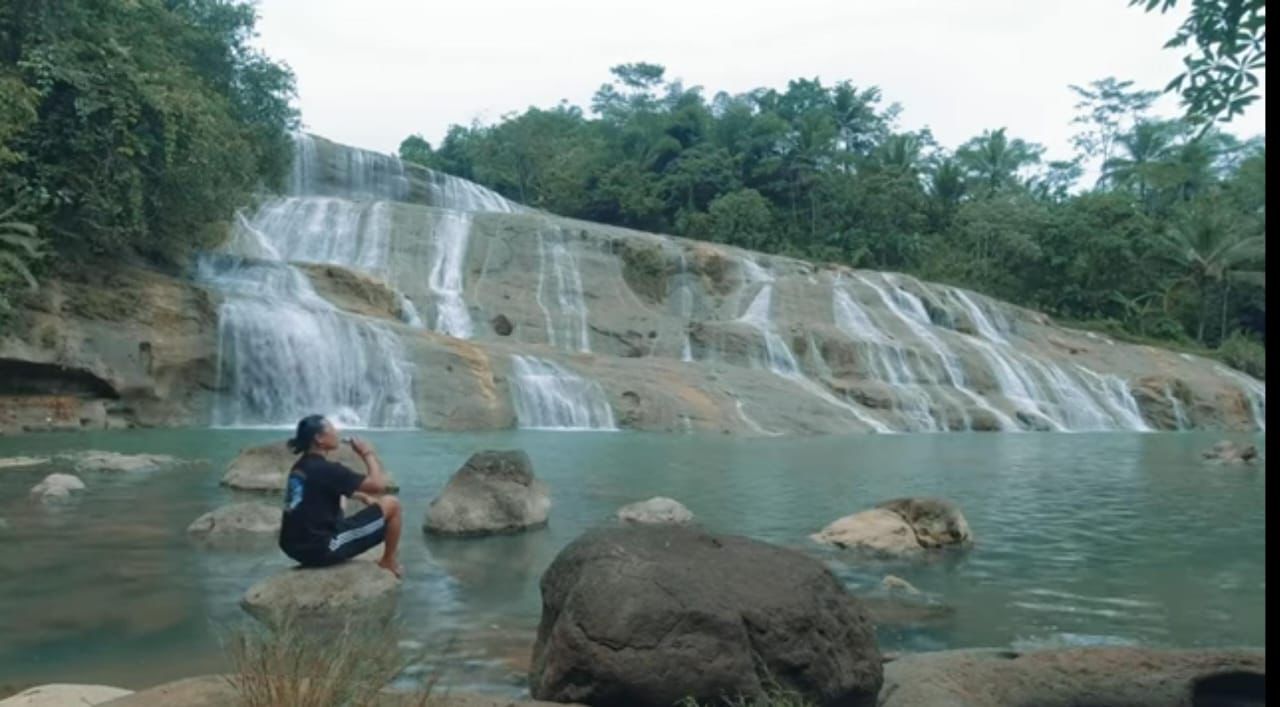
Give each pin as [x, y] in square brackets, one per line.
[568, 328]
[779, 358]
[284, 352]
[452, 232]
[347, 172]
[684, 308]
[1085, 401]
[1179, 413]
[1255, 392]
[354, 234]
[911, 312]
[888, 363]
[450, 192]
[549, 396]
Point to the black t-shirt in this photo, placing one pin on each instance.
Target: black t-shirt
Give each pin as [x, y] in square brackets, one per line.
[312, 503]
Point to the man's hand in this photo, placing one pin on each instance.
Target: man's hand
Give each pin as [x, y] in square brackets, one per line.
[361, 447]
[364, 498]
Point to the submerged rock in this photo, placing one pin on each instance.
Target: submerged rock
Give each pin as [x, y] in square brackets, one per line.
[57, 486]
[23, 462]
[1228, 452]
[647, 615]
[1099, 677]
[264, 468]
[891, 583]
[95, 460]
[358, 590]
[237, 520]
[494, 492]
[64, 695]
[656, 510]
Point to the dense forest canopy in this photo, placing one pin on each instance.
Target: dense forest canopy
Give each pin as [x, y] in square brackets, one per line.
[132, 129]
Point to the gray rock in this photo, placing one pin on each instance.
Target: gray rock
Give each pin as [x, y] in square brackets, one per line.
[23, 462]
[646, 615]
[237, 520]
[64, 695]
[937, 522]
[57, 487]
[265, 467]
[658, 509]
[877, 530]
[1098, 677]
[95, 460]
[893, 583]
[358, 590]
[494, 492]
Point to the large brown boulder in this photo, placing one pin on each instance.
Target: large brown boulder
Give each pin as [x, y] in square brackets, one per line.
[264, 467]
[236, 522]
[1098, 677]
[495, 492]
[646, 615]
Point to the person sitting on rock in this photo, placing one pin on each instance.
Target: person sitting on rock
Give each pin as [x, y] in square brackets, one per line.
[313, 530]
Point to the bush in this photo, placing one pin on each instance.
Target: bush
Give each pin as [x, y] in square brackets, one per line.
[1245, 354]
[285, 666]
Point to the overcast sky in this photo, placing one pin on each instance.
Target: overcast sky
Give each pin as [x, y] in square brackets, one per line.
[372, 72]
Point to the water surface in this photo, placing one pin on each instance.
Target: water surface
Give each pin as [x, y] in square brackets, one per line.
[1081, 540]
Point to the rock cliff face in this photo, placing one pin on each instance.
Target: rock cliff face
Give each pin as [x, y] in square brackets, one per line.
[389, 295]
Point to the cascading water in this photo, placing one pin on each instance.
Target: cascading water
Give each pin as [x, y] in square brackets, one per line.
[567, 327]
[550, 397]
[1083, 401]
[684, 307]
[1255, 392]
[452, 232]
[888, 362]
[779, 358]
[284, 351]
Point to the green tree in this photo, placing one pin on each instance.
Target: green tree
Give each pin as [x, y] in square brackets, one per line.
[1107, 109]
[1221, 75]
[993, 161]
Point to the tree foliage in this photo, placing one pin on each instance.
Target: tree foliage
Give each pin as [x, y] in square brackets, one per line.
[133, 128]
[820, 171]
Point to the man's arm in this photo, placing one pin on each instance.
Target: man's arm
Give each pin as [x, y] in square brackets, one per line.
[375, 480]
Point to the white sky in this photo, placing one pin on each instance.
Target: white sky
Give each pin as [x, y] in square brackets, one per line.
[372, 72]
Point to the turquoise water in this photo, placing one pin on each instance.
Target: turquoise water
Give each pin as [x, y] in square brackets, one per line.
[1080, 540]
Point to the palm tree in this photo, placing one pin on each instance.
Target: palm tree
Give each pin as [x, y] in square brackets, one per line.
[1149, 143]
[1213, 246]
[19, 247]
[993, 160]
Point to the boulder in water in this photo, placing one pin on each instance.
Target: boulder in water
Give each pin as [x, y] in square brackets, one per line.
[1100, 677]
[656, 510]
[494, 492]
[237, 520]
[903, 526]
[56, 487]
[936, 521]
[877, 530]
[358, 590]
[647, 615]
[264, 468]
[64, 695]
[1228, 452]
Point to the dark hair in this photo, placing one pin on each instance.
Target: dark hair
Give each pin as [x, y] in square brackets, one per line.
[309, 428]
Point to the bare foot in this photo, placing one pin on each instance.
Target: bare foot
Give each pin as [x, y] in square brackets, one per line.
[392, 566]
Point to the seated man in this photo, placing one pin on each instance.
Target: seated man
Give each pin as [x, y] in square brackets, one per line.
[313, 530]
